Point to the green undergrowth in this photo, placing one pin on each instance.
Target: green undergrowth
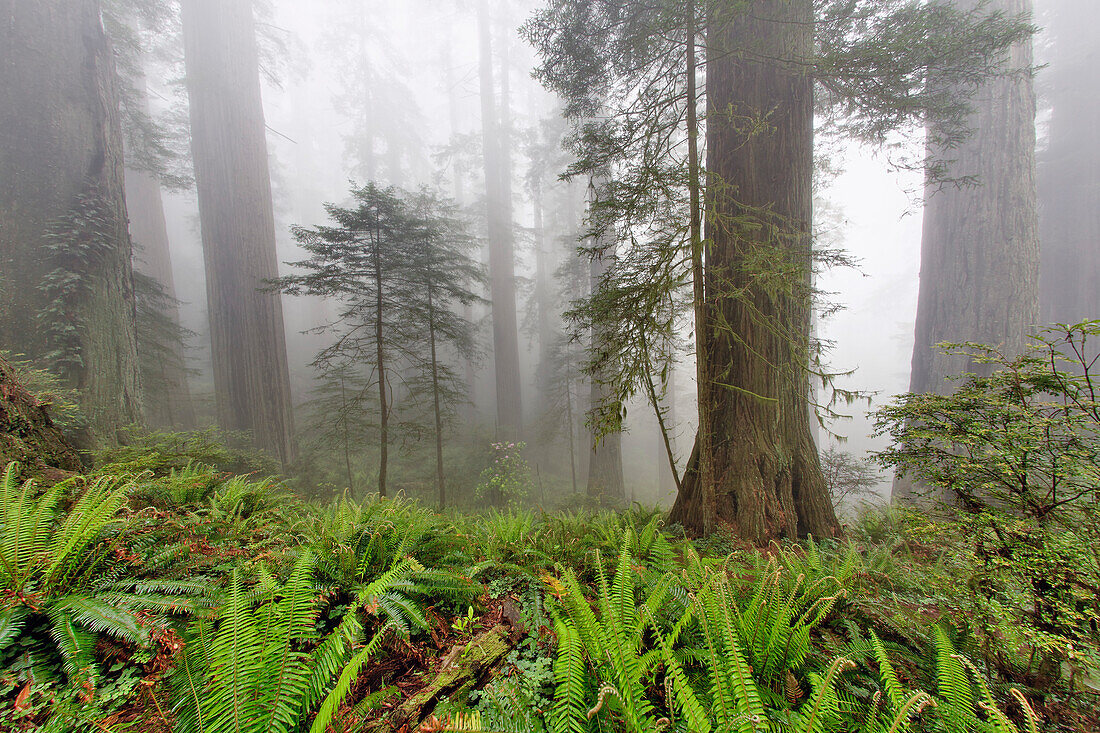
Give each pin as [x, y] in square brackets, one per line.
[168, 591]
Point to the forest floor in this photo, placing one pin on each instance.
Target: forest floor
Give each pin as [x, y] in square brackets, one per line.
[158, 589]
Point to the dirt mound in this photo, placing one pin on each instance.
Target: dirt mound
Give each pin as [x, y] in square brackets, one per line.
[28, 435]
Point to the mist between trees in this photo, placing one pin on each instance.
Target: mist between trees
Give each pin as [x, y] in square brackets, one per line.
[569, 253]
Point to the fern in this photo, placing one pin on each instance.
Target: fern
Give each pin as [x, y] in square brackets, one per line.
[953, 684]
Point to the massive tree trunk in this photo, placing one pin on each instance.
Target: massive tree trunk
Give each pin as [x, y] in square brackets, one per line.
[1069, 172]
[251, 378]
[502, 287]
[979, 278]
[167, 395]
[66, 284]
[767, 477]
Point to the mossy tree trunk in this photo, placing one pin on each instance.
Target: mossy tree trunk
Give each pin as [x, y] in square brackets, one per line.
[251, 376]
[66, 284]
[766, 473]
[979, 278]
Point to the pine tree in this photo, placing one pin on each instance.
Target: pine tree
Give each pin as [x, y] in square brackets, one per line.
[397, 265]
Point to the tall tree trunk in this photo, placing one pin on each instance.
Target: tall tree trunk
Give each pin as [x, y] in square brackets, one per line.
[66, 283]
[544, 278]
[1069, 172]
[502, 288]
[383, 387]
[170, 406]
[605, 463]
[979, 278]
[441, 485]
[459, 174]
[767, 476]
[251, 376]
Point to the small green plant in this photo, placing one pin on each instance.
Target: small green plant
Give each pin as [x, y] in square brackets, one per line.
[462, 625]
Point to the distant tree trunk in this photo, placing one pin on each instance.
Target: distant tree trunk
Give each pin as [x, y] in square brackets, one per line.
[979, 277]
[172, 407]
[544, 277]
[605, 464]
[441, 485]
[251, 377]
[62, 207]
[502, 287]
[1069, 173]
[383, 386]
[767, 476]
[459, 173]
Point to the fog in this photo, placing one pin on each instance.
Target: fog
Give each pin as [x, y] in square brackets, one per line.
[392, 94]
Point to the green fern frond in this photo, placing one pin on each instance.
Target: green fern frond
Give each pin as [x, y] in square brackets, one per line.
[343, 683]
[953, 685]
[98, 617]
[570, 672]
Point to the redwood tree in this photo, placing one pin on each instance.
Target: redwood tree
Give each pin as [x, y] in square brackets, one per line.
[1069, 172]
[251, 377]
[502, 280]
[979, 277]
[766, 472]
[66, 284]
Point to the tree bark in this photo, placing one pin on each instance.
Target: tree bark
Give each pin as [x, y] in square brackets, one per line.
[383, 385]
[62, 207]
[767, 475]
[979, 277]
[173, 407]
[251, 376]
[1069, 172]
[502, 287]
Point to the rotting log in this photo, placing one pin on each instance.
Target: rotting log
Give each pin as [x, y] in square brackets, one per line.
[463, 670]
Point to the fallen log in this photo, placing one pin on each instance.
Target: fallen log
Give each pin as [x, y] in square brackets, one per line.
[466, 668]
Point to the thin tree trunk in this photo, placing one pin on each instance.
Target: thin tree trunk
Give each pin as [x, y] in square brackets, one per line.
[605, 461]
[667, 471]
[980, 245]
[569, 419]
[383, 401]
[62, 207]
[435, 399]
[767, 476]
[543, 300]
[501, 258]
[665, 441]
[705, 469]
[347, 435]
[251, 376]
